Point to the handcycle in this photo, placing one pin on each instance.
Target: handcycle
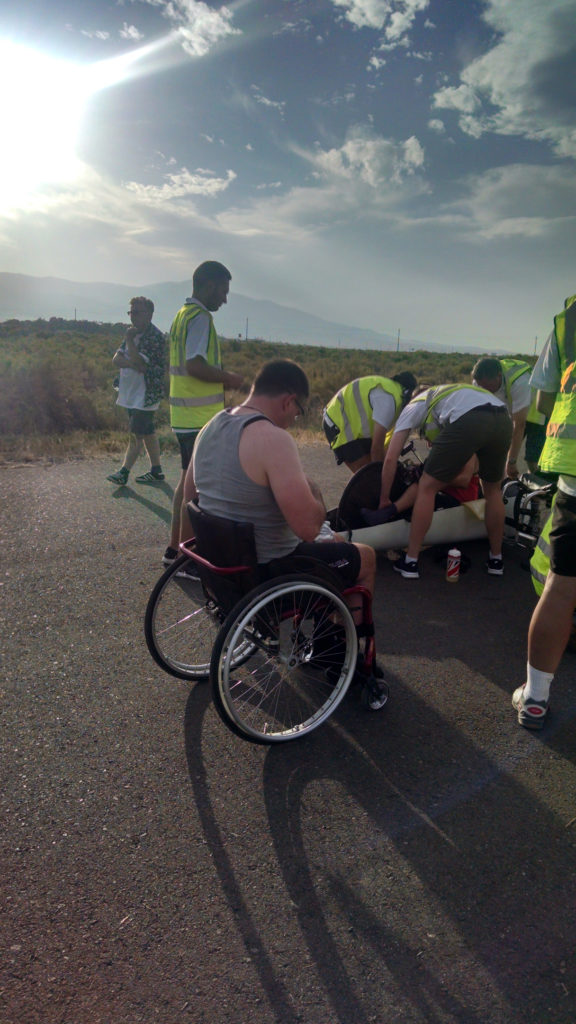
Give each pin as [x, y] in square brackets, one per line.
[280, 652]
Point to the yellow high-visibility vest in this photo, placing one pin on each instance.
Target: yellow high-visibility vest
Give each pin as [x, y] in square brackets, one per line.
[559, 452]
[192, 402]
[351, 412]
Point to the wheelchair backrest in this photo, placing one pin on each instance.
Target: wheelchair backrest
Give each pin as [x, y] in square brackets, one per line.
[225, 543]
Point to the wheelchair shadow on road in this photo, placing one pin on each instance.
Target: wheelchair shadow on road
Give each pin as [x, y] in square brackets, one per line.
[402, 844]
[128, 493]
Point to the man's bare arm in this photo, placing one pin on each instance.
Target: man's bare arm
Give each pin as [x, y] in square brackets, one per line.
[199, 368]
[399, 438]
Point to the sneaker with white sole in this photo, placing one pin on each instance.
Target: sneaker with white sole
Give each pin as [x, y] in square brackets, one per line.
[532, 714]
[120, 477]
[409, 570]
[169, 557]
[151, 477]
[495, 567]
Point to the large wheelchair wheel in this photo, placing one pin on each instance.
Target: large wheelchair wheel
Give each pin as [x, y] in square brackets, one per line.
[302, 647]
[181, 622]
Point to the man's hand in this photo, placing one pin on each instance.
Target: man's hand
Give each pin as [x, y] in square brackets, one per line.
[511, 469]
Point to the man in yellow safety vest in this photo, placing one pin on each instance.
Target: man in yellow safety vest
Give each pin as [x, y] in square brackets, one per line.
[555, 378]
[509, 380]
[197, 379]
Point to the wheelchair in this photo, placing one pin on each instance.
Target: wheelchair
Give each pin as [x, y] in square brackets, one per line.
[527, 501]
[280, 652]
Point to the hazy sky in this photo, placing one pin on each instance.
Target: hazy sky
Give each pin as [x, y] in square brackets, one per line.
[385, 163]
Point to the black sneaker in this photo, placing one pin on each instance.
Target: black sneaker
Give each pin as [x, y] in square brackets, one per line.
[121, 477]
[150, 477]
[495, 567]
[409, 570]
[169, 556]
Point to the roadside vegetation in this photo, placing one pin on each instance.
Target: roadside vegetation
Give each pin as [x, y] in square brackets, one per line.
[57, 399]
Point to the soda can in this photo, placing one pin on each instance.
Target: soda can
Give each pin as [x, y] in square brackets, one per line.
[453, 566]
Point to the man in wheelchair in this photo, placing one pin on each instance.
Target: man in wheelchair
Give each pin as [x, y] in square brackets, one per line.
[247, 468]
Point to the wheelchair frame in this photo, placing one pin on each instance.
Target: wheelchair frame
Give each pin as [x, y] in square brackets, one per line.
[280, 659]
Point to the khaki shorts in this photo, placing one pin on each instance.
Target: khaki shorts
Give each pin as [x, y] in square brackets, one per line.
[485, 431]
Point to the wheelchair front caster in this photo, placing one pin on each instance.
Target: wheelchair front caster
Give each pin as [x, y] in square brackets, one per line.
[374, 694]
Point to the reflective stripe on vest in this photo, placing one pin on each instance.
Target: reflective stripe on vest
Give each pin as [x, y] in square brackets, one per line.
[559, 452]
[192, 401]
[350, 409]
[540, 561]
[430, 428]
[512, 369]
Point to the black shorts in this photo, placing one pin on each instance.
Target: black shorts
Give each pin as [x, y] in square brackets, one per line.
[341, 557]
[485, 431]
[352, 450]
[186, 441]
[141, 422]
[563, 535]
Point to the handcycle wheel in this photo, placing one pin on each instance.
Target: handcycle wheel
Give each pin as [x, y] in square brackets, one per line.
[303, 649]
[181, 622]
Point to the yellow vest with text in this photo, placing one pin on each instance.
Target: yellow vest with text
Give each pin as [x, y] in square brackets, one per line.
[559, 452]
[350, 409]
[430, 428]
[192, 402]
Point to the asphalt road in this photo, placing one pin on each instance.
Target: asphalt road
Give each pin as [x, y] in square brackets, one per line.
[413, 866]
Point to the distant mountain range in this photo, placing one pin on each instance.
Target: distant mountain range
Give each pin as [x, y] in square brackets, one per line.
[23, 297]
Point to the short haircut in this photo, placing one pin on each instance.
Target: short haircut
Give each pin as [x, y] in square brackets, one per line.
[281, 376]
[407, 382]
[487, 369]
[141, 300]
[208, 272]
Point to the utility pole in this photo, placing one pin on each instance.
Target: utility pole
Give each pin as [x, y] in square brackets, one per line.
[535, 344]
[398, 341]
[246, 336]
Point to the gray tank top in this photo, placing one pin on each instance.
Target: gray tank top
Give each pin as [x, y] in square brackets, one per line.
[225, 490]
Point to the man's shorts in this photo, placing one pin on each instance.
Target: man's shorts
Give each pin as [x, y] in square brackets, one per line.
[186, 441]
[141, 422]
[563, 535]
[350, 451]
[485, 431]
[343, 558]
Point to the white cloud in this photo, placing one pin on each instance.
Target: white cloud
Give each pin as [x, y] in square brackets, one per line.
[437, 126]
[259, 97]
[199, 26]
[373, 160]
[95, 33]
[131, 32]
[524, 84]
[521, 200]
[395, 17]
[177, 186]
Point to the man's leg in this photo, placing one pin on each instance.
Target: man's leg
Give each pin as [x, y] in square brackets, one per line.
[428, 488]
[495, 515]
[551, 623]
[152, 446]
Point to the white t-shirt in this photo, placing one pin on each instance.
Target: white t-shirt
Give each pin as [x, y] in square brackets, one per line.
[383, 407]
[447, 409]
[132, 386]
[198, 333]
[520, 394]
[546, 376]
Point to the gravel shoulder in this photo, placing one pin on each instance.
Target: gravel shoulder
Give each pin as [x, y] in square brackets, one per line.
[414, 867]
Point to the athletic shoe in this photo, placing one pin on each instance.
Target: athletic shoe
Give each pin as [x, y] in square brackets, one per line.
[495, 567]
[376, 695]
[409, 570]
[531, 713]
[169, 556]
[149, 478]
[121, 477]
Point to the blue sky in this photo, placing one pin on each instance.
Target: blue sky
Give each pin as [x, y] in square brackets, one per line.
[384, 163]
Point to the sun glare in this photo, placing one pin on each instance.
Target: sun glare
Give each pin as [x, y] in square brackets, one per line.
[42, 108]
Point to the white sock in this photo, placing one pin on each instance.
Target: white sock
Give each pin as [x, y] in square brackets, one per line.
[408, 558]
[495, 558]
[538, 683]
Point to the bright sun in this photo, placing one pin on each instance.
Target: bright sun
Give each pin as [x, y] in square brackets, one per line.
[39, 121]
[43, 101]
